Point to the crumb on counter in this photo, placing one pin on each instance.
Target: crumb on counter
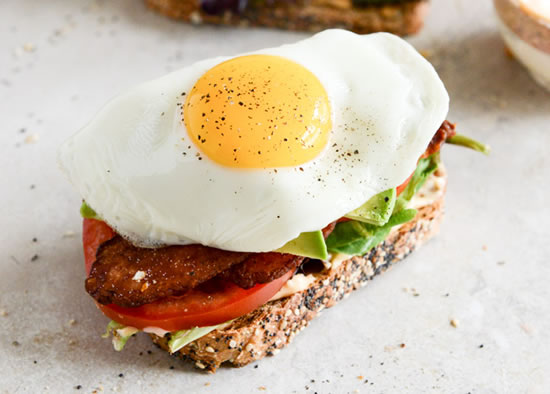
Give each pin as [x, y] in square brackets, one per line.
[426, 53]
[454, 323]
[68, 234]
[31, 139]
[28, 47]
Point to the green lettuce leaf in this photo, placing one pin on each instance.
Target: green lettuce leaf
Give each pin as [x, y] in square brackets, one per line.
[178, 339]
[120, 332]
[181, 338]
[467, 142]
[357, 238]
[424, 169]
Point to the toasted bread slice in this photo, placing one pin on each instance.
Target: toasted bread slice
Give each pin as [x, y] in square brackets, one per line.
[402, 18]
[271, 327]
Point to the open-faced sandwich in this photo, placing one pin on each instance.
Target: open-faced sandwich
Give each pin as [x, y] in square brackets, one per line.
[229, 202]
[401, 17]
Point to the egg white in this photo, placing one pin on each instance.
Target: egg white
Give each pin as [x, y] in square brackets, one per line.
[128, 163]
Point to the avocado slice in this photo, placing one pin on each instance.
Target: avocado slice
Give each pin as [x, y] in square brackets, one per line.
[310, 244]
[377, 210]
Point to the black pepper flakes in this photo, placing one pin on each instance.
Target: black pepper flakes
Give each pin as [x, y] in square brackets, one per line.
[34, 258]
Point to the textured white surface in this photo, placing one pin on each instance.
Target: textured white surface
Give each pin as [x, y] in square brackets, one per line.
[62, 60]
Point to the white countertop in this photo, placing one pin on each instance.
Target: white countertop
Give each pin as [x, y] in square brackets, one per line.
[489, 269]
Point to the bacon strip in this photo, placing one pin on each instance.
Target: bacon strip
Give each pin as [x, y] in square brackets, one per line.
[447, 130]
[261, 268]
[128, 276]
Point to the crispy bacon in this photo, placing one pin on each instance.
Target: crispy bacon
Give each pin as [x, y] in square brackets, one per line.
[126, 275]
[129, 276]
[446, 131]
[261, 268]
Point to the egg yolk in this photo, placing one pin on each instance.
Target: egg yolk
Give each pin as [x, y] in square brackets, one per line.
[258, 111]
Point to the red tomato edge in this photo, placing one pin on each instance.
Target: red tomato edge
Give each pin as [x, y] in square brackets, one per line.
[258, 296]
[96, 232]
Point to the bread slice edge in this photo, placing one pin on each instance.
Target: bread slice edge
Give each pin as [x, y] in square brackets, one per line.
[403, 18]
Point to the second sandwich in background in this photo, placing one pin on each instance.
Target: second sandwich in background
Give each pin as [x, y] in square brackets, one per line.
[402, 17]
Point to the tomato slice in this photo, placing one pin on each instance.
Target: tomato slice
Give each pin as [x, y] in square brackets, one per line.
[94, 233]
[197, 308]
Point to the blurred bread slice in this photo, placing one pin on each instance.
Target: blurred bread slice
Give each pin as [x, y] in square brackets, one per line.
[399, 17]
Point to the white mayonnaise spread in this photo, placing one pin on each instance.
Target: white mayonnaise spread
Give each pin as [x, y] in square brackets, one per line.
[297, 283]
[155, 330]
[431, 190]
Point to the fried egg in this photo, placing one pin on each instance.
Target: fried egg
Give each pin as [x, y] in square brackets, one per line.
[245, 153]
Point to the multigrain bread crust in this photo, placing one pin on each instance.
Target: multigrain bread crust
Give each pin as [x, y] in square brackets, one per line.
[402, 18]
[266, 330]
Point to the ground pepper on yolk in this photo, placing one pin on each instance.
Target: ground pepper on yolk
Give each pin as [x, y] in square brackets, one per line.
[258, 111]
